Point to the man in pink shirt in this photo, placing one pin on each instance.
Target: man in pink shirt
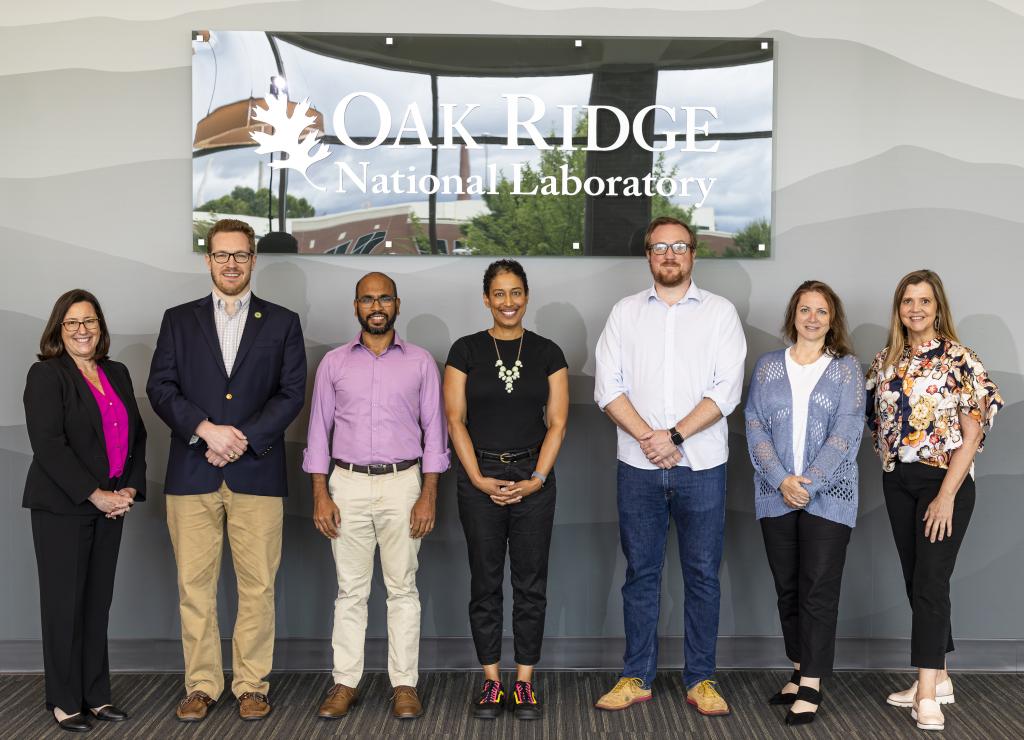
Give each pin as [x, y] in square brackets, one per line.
[377, 415]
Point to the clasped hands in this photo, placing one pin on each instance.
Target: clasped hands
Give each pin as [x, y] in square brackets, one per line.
[657, 445]
[793, 492]
[505, 492]
[224, 443]
[113, 504]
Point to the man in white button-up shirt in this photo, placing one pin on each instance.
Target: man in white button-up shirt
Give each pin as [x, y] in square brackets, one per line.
[669, 370]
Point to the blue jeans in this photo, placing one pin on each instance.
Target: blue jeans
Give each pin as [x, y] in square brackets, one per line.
[695, 499]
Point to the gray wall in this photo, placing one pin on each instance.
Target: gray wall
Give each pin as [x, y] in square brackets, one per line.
[897, 146]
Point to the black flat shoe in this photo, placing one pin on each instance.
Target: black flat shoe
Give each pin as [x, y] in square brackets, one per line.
[109, 713]
[807, 694]
[780, 698]
[74, 723]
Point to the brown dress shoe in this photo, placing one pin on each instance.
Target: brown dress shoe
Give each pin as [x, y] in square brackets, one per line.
[340, 699]
[253, 706]
[406, 704]
[193, 708]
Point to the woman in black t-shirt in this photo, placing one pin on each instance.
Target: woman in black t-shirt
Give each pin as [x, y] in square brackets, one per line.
[506, 393]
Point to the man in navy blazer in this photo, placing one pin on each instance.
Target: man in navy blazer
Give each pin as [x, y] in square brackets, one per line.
[228, 377]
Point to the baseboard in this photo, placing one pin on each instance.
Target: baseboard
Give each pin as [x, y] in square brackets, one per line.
[560, 653]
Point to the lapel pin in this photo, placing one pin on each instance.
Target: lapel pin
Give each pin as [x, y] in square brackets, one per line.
[258, 315]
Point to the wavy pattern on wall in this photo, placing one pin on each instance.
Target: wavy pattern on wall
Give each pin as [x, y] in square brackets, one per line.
[894, 150]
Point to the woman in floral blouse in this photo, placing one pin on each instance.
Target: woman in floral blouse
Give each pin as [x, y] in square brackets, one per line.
[930, 403]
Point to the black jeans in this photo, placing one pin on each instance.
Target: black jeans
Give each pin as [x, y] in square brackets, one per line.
[806, 554]
[524, 531]
[76, 557]
[927, 566]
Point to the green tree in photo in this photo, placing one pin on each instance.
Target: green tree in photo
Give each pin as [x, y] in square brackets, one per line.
[244, 201]
[747, 240]
[548, 224]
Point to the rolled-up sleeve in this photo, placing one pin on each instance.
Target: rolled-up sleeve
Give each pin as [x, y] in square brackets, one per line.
[316, 458]
[727, 380]
[436, 456]
[608, 377]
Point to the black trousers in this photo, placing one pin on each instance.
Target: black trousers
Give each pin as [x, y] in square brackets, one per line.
[806, 554]
[76, 557]
[927, 566]
[524, 531]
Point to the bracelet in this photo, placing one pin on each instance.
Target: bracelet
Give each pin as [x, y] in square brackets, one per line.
[543, 478]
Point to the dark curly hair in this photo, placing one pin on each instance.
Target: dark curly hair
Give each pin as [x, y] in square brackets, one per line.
[506, 265]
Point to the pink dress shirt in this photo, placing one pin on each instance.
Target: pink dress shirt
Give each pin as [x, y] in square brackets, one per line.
[115, 423]
[368, 409]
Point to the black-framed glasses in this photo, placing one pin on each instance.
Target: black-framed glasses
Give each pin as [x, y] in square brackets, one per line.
[368, 300]
[71, 325]
[662, 247]
[221, 258]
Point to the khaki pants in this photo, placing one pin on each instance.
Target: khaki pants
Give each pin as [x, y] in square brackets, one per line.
[375, 510]
[254, 524]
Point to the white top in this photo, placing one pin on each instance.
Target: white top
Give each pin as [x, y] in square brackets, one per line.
[230, 328]
[665, 360]
[802, 379]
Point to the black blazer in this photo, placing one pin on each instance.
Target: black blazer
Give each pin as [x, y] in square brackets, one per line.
[69, 453]
[264, 393]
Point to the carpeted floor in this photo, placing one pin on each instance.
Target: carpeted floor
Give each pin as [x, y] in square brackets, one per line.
[988, 706]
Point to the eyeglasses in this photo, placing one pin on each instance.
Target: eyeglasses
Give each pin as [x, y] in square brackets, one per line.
[71, 325]
[662, 247]
[222, 257]
[368, 300]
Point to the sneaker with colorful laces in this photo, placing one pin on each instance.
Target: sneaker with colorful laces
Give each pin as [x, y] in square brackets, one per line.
[491, 700]
[705, 697]
[524, 701]
[627, 692]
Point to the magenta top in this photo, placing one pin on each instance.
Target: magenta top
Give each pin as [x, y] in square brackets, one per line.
[368, 409]
[115, 423]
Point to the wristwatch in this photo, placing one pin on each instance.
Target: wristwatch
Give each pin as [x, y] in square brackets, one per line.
[677, 438]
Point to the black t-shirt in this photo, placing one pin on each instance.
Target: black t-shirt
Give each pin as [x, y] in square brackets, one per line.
[498, 420]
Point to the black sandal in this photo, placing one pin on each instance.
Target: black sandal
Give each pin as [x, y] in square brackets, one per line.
[781, 698]
[809, 695]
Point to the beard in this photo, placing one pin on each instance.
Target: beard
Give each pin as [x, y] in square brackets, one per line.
[228, 290]
[668, 279]
[377, 330]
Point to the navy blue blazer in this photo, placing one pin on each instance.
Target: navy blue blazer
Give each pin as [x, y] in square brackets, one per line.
[69, 450]
[262, 396]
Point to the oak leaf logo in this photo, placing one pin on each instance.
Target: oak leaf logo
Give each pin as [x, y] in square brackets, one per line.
[302, 152]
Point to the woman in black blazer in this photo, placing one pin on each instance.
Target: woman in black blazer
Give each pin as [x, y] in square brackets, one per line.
[88, 468]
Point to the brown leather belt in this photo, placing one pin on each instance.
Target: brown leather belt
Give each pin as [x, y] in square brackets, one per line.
[508, 457]
[376, 468]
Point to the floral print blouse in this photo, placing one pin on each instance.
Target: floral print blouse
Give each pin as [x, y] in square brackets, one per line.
[914, 407]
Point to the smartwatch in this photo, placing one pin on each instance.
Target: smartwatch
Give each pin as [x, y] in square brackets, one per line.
[677, 438]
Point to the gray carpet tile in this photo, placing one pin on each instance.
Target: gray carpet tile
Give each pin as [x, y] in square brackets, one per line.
[989, 706]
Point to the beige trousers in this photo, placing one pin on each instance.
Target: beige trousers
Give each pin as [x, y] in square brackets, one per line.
[375, 511]
[254, 525]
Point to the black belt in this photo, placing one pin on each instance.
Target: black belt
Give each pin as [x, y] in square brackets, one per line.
[376, 468]
[508, 457]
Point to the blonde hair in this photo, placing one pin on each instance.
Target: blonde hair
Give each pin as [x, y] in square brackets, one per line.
[944, 326]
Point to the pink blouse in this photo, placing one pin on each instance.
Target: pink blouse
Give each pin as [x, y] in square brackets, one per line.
[115, 423]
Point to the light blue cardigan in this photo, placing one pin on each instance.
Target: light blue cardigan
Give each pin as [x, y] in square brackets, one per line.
[835, 422]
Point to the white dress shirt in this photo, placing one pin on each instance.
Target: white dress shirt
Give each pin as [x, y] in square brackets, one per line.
[230, 328]
[665, 360]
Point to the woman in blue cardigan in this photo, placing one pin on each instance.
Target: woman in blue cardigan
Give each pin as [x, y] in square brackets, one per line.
[804, 422]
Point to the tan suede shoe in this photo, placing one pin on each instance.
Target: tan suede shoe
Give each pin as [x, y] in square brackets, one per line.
[405, 703]
[626, 693]
[253, 706]
[194, 707]
[705, 697]
[340, 698]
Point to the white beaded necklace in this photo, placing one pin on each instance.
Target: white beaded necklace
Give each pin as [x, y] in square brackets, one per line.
[508, 375]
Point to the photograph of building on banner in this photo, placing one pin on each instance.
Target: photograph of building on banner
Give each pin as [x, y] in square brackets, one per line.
[349, 144]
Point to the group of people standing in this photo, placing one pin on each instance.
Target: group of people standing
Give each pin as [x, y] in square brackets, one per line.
[229, 375]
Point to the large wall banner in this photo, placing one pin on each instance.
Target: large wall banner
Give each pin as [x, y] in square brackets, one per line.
[482, 145]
